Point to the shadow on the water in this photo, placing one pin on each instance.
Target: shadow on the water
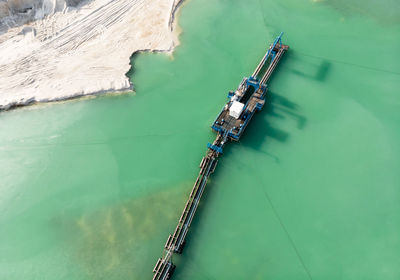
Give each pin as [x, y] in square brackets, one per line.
[265, 125]
[322, 70]
[317, 71]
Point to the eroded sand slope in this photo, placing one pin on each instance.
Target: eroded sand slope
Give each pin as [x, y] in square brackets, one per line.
[74, 51]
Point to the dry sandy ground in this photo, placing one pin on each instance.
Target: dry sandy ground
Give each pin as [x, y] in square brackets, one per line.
[81, 50]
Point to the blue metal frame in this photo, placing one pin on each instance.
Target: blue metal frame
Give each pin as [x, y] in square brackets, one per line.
[215, 148]
[270, 50]
[249, 81]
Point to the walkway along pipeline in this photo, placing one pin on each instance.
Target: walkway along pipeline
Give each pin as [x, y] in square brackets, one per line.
[248, 98]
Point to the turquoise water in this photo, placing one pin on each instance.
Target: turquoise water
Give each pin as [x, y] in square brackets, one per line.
[90, 189]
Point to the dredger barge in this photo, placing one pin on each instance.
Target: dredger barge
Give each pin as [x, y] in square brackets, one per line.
[230, 124]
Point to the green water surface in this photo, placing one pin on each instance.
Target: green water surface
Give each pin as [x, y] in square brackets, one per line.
[90, 189]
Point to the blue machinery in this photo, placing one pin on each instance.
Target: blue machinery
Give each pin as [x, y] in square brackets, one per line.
[234, 117]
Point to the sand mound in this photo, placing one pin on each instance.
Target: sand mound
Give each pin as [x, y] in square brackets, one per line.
[54, 50]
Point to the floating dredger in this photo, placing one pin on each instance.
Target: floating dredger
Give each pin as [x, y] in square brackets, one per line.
[230, 124]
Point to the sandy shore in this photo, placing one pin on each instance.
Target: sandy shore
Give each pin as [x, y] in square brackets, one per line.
[81, 50]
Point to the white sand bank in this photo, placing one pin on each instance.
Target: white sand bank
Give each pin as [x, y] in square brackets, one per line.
[75, 51]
